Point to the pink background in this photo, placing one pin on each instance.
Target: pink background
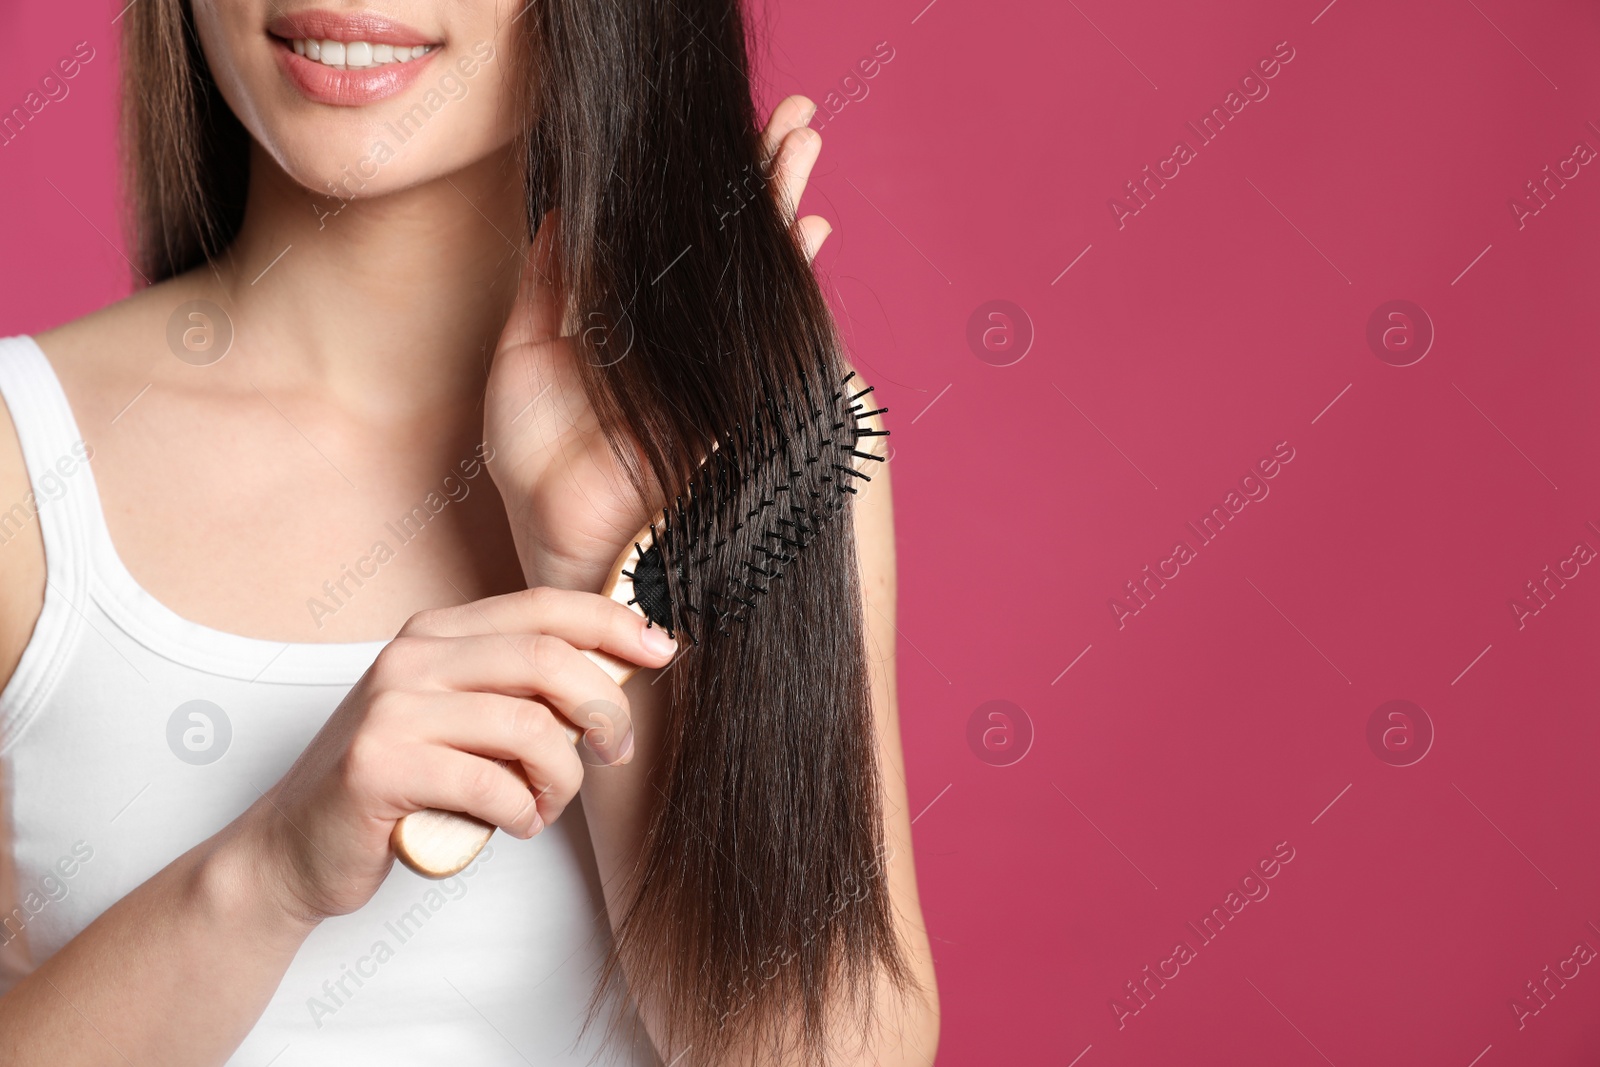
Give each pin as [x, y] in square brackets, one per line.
[1231, 712]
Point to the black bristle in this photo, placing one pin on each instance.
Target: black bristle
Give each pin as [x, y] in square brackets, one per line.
[689, 576]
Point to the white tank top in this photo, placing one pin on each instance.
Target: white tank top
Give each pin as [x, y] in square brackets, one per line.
[129, 734]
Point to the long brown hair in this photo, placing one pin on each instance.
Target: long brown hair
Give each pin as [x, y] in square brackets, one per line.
[759, 911]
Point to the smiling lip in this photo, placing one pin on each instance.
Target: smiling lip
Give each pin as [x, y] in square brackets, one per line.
[354, 26]
[347, 87]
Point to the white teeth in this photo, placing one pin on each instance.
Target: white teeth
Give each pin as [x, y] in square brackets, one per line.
[356, 55]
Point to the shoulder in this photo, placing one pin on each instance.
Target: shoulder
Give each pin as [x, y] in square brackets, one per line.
[102, 359]
[99, 356]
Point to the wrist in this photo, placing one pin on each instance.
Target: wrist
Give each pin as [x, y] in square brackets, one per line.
[239, 881]
[542, 567]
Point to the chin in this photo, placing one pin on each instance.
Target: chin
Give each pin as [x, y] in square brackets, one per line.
[388, 156]
[358, 104]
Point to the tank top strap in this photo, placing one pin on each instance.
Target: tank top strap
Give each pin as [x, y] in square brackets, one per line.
[63, 498]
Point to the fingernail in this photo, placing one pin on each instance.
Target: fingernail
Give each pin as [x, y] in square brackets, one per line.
[627, 748]
[810, 114]
[655, 641]
[538, 824]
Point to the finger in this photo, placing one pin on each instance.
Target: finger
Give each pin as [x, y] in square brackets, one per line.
[525, 732]
[814, 229]
[449, 780]
[791, 113]
[521, 665]
[584, 620]
[792, 168]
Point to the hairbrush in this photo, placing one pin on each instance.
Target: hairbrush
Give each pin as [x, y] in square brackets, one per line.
[783, 476]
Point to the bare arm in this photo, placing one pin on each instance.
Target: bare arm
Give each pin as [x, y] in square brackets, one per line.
[178, 971]
[207, 930]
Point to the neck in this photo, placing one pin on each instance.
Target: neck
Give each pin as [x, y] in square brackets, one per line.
[393, 303]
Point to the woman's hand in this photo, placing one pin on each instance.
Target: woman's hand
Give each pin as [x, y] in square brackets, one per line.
[456, 693]
[571, 507]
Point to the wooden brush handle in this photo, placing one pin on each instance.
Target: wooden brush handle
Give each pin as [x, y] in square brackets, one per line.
[437, 844]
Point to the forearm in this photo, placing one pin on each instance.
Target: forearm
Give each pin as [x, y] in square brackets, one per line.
[176, 972]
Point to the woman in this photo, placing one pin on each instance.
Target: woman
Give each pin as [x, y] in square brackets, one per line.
[207, 736]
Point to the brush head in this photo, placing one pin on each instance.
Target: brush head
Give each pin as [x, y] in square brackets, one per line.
[754, 505]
